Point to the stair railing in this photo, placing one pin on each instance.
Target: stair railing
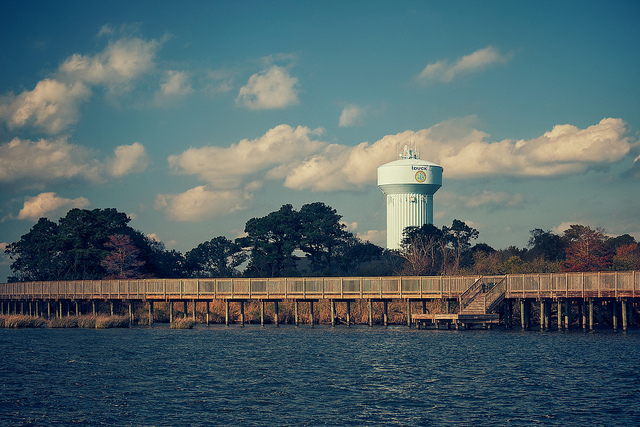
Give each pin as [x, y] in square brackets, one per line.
[468, 296]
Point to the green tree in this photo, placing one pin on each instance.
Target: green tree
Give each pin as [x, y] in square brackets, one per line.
[459, 236]
[545, 244]
[36, 255]
[322, 236]
[271, 241]
[219, 257]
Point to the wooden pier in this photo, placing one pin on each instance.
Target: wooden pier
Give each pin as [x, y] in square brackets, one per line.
[582, 298]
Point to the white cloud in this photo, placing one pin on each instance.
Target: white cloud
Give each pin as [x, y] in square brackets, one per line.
[304, 163]
[377, 237]
[122, 61]
[352, 115]
[49, 204]
[271, 88]
[51, 106]
[128, 159]
[34, 162]
[444, 71]
[4, 258]
[248, 160]
[199, 204]
[176, 83]
[38, 163]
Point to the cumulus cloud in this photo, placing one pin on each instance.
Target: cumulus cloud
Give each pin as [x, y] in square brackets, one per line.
[49, 204]
[128, 159]
[377, 237]
[352, 115]
[199, 203]
[37, 163]
[269, 89]
[51, 106]
[445, 71]
[33, 162]
[248, 160]
[122, 61]
[295, 156]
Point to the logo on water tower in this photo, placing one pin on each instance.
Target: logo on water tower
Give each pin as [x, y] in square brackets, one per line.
[421, 176]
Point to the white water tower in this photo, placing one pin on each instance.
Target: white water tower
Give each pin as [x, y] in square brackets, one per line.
[409, 184]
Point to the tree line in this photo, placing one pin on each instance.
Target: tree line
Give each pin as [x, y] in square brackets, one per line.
[100, 244]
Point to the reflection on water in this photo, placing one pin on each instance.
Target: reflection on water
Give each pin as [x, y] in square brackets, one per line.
[317, 376]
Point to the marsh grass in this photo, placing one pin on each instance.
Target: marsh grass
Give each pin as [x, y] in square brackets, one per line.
[63, 322]
[183, 323]
[105, 322]
[21, 321]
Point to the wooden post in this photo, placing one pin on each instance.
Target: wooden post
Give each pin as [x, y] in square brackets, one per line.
[60, 309]
[150, 312]
[49, 309]
[370, 313]
[408, 313]
[559, 314]
[226, 312]
[261, 313]
[447, 307]
[583, 309]
[296, 312]
[193, 309]
[624, 314]
[311, 312]
[348, 314]
[591, 315]
[614, 314]
[170, 311]
[111, 304]
[275, 309]
[385, 313]
[93, 307]
[523, 315]
[333, 313]
[424, 306]
[567, 314]
[184, 309]
[542, 315]
[78, 309]
[130, 312]
[242, 313]
[208, 311]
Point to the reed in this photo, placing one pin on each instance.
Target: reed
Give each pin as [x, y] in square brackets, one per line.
[105, 322]
[21, 321]
[183, 323]
[63, 322]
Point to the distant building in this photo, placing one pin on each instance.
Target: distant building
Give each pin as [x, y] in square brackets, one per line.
[409, 184]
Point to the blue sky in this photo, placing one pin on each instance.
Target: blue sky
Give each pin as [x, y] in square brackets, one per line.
[193, 117]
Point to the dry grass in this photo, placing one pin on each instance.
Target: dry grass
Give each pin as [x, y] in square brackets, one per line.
[21, 321]
[184, 323]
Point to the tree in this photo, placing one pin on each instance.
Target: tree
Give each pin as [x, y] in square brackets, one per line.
[219, 257]
[459, 237]
[82, 235]
[36, 255]
[586, 249]
[422, 247]
[322, 235]
[545, 244]
[271, 241]
[627, 257]
[123, 260]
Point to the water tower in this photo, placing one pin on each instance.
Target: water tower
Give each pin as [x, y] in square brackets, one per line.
[409, 184]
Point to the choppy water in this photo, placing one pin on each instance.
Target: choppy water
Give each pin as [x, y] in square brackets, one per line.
[321, 376]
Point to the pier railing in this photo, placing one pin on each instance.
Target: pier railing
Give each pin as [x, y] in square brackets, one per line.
[551, 285]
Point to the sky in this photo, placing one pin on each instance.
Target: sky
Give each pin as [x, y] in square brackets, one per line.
[194, 117]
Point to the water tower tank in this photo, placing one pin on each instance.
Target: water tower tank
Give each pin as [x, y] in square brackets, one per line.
[409, 184]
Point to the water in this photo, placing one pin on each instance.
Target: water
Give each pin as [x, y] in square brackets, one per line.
[322, 376]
